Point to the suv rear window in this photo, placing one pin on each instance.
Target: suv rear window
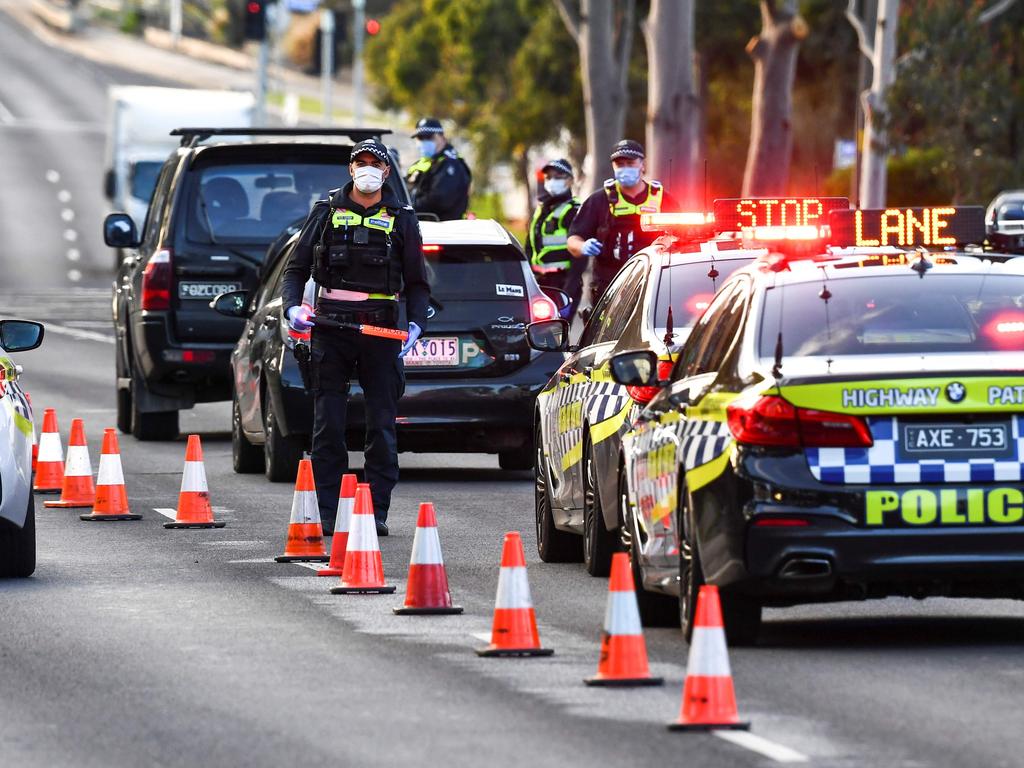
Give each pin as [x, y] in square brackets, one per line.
[475, 271]
[897, 314]
[689, 289]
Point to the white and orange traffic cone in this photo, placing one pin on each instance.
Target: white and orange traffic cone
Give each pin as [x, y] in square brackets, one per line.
[623, 660]
[305, 542]
[77, 490]
[426, 590]
[50, 458]
[709, 701]
[364, 568]
[339, 541]
[111, 495]
[514, 632]
[194, 510]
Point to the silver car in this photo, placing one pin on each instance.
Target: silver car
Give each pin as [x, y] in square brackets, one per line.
[17, 509]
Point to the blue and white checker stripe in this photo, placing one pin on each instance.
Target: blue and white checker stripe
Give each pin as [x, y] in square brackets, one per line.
[702, 441]
[878, 464]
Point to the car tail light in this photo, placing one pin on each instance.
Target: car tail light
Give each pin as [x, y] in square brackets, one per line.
[644, 395]
[771, 421]
[156, 281]
[781, 522]
[431, 248]
[542, 308]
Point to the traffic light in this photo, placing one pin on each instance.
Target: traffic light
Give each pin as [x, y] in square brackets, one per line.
[255, 19]
[372, 27]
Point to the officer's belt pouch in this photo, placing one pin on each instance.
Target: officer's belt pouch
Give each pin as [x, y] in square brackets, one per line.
[363, 269]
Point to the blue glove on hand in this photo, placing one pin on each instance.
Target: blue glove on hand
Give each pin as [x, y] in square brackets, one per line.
[298, 318]
[414, 334]
[592, 247]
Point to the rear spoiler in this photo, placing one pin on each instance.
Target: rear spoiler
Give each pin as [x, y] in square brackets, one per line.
[192, 136]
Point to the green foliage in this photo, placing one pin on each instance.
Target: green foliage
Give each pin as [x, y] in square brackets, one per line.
[916, 177]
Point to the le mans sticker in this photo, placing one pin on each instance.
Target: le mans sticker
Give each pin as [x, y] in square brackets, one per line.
[509, 290]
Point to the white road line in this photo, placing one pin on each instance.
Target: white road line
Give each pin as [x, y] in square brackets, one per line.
[74, 275]
[6, 116]
[74, 254]
[77, 333]
[64, 196]
[52, 176]
[777, 752]
[312, 566]
[483, 637]
[171, 513]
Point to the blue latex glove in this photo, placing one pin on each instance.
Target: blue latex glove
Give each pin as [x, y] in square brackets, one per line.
[592, 247]
[414, 334]
[298, 318]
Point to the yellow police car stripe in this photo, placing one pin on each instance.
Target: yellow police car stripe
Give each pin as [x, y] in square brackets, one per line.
[573, 456]
[698, 477]
[24, 425]
[609, 426]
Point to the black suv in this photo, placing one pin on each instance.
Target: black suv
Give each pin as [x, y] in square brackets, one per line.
[215, 210]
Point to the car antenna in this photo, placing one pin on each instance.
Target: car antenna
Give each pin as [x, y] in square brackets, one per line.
[777, 368]
[825, 294]
[921, 263]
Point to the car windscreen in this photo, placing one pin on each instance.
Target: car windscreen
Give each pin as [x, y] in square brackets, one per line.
[895, 314]
[688, 289]
[143, 179]
[475, 271]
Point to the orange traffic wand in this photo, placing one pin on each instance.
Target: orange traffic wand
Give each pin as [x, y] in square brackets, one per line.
[426, 591]
[364, 568]
[514, 632]
[623, 660]
[709, 701]
[194, 510]
[50, 458]
[305, 542]
[111, 495]
[339, 541]
[77, 490]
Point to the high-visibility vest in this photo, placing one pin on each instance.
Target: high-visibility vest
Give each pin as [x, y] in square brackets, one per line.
[624, 237]
[550, 254]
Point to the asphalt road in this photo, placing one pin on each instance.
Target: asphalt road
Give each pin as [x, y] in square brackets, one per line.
[134, 645]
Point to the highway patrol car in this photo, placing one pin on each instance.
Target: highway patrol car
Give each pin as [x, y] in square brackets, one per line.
[845, 426]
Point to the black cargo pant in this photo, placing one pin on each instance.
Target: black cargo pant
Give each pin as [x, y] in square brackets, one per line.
[336, 355]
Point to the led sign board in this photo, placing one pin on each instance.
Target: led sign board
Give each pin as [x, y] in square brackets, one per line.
[907, 227]
[736, 214]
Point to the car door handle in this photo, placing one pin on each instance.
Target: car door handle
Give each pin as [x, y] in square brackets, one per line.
[270, 320]
[588, 370]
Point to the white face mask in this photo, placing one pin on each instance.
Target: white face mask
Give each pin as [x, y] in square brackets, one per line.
[556, 187]
[368, 179]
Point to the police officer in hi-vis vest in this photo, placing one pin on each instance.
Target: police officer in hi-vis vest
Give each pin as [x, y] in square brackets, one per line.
[363, 249]
[607, 227]
[439, 181]
[546, 241]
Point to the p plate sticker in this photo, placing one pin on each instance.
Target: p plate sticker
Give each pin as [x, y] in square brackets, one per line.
[509, 290]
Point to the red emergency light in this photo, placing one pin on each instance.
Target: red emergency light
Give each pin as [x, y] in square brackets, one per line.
[431, 248]
[686, 225]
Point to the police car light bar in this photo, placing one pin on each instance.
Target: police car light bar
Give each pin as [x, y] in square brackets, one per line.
[936, 227]
[801, 233]
[686, 224]
[739, 213]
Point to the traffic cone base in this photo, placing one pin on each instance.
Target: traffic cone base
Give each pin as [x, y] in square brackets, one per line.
[80, 504]
[451, 611]
[623, 647]
[386, 589]
[194, 525]
[109, 518]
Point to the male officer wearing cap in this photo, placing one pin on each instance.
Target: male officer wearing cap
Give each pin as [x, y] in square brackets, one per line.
[439, 181]
[363, 249]
[607, 227]
[550, 260]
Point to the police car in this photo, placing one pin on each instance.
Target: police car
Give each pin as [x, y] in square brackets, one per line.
[1004, 221]
[581, 413]
[841, 424]
[17, 510]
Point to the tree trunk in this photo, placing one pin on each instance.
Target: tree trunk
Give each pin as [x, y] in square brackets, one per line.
[673, 114]
[876, 145]
[774, 52]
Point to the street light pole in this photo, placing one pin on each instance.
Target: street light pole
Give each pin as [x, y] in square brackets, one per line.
[175, 22]
[327, 62]
[359, 6]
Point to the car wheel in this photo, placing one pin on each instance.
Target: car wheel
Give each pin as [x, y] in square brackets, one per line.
[246, 458]
[517, 460]
[18, 545]
[598, 542]
[281, 455]
[691, 575]
[741, 615]
[656, 610]
[123, 397]
[553, 545]
[157, 425]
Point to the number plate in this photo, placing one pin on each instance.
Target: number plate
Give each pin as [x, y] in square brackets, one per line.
[988, 440]
[206, 290]
[434, 351]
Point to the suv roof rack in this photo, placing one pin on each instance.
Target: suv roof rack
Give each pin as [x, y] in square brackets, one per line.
[192, 136]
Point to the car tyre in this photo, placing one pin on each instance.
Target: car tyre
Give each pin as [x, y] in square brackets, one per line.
[741, 615]
[18, 545]
[691, 575]
[281, 455]
[123, 396]
[598, 542]
[553, 545]
[519, 459]
[656, 610]
[246, 458]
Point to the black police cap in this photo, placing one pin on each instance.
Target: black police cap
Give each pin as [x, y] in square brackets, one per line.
[561, 165]
[628, 148]
[374, 147]
[427, 126]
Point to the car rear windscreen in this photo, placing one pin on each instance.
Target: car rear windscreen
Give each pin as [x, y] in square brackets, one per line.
[896, 314]
[688, 289]
[475, 272]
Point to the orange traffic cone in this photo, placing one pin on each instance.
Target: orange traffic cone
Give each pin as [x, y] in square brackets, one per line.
[77, 490]
[708, 697]
[35, 440]
[426, 591]
[194, 510]
[623, 660]
[50, 461]
[305, 543]
[111, 496]
[364, 569]
[514, 632]
[339, 541]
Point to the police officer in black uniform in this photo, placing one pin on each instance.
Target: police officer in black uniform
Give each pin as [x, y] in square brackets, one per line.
[607, 227]
[363, 248]
[439, 181]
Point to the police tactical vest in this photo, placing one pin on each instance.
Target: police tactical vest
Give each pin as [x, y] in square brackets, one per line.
[549, 250]
[356, 253]
[625, 237]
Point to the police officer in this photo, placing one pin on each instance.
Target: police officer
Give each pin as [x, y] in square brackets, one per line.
[550, 260]
[363, 249]
[607, 227]
[439, 181]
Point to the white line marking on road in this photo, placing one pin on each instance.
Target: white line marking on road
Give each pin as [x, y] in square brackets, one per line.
[483, 637]
[171, 513]
[70, 235]
[74, 275]
[74, 254]
[77, 333]
[777, 752]
[6, 116]
[67, 214]
[52, 176]
[64, 196]
[238, 543]
[312, 566]
[252, 560]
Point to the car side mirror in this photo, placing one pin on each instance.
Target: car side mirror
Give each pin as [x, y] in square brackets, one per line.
[548, 335]
[635, 369]
[562, 301]
[119, 231]
[20, 335]
[231, 304]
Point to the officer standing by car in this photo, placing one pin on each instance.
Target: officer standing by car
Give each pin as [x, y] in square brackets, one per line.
[363, 249]
[607, 227]
[546, 241]
[439, 181]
